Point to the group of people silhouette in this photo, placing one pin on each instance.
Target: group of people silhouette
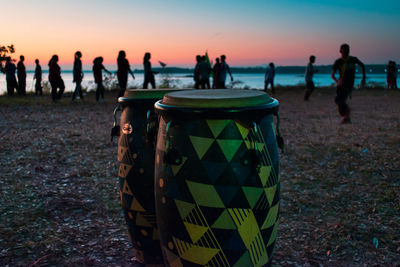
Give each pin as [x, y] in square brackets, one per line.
[203, 71]
[57, 83]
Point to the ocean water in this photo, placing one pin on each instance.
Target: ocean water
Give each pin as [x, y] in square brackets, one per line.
[241, 80]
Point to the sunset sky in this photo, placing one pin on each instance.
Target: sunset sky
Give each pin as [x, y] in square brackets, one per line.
[250, 33]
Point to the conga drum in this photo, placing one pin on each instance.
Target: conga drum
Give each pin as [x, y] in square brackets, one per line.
[217, 178]
[136, 150]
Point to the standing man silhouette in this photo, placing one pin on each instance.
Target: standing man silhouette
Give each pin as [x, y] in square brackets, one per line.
[12, 83]
[21, 76]
[269, 77]
[122, 72]
[346, 66]
[309, 78]
[38, 78]
[224, 70]
[148, 72]
[78, 76]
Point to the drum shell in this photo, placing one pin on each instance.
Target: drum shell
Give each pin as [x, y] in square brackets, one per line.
[200, 200]
[136, 149]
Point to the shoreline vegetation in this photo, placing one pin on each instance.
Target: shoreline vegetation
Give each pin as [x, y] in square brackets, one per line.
[340, 193]
[370, 68]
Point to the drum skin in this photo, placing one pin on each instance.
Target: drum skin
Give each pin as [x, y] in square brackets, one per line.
[217, 188]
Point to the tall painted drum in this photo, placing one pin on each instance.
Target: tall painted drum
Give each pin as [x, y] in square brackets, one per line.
[217, 178]
[136, 150]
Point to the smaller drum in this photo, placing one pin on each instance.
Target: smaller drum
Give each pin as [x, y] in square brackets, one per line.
[136, 150]
[217, 178]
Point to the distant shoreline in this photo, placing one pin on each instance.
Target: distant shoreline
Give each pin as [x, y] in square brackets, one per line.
[370, 68]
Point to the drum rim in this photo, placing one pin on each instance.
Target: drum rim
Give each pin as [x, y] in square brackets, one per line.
[271, 107]
[147, 94]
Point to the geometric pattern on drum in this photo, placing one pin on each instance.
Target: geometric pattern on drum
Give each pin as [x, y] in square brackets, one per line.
[142, 225]
[232, 214]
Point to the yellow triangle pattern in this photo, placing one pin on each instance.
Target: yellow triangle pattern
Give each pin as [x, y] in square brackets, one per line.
[136, 206]
[126, 189]
[176, 168]
[243, 130]
[246, 224]
[195, 231]
[217, 126]
[184, 208]
[271, 217]
[270, 192]
[194, 253]
[141, 221]
[201, 144]
[264, 174]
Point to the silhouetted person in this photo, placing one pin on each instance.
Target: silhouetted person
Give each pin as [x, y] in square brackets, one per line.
[148, 73]
[78, 76]
[38, 78]
[391, 75]
[98, 68]
[216, 70]
[122, 72]
[346, 66]
[55, 79]
[11, 80]
[223, 71]
[269, 77]
[196, 74]
[309, 78]
[21, 76]
[204, 73]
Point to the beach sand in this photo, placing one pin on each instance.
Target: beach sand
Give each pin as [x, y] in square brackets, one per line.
[340, 196]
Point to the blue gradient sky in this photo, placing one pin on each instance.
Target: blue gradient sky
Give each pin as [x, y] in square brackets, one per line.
[248, 32]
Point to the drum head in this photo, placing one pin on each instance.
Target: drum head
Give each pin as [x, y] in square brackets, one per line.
[140, 94]
[215, 99]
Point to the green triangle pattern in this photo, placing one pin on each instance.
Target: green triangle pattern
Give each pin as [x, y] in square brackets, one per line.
[184, 208]
[244, 260]
[195, 231]
[273, 235]
[217, 126]
[264, 174]
[270, 192]
[243, 130]
[271, 217]
[205, 195]
[229, 147]
[224, 221]
[175, 168]
[252, 194]
[201, 144]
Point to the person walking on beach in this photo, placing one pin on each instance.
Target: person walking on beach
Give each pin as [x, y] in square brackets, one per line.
[38, 78]
[269, 77]
[204, 71]
[391, 75]
[21, 76]
[309, 78]
[216, 69]
[122, 72]
[148, 72]
[11, 80]
[346, 66]
[78, 76]
[223, 71]
[98, 68]
[196, 73]
[55, 79]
